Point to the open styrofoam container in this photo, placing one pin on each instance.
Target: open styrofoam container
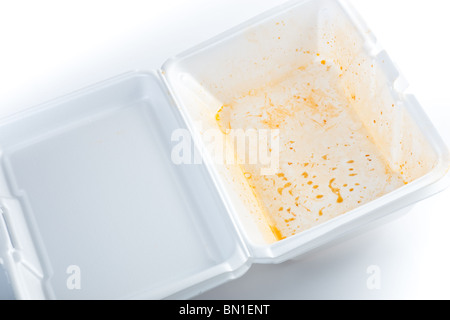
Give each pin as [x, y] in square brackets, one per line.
[93, 206]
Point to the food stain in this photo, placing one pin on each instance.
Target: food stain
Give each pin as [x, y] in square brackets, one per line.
[287, 185]
[277, 233]
[336, 191]
[224, 126]
[321, 212]
[303, 109]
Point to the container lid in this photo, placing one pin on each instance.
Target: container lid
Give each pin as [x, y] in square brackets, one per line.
[93, 207]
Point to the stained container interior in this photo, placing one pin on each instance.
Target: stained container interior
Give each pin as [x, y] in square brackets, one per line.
[314, 76]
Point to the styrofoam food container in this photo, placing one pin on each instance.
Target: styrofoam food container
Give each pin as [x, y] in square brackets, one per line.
[94, 207]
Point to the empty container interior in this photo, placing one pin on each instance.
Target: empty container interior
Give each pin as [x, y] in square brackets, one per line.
[109, 214]
[312, 74]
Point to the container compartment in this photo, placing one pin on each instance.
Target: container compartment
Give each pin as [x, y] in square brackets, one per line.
[90, 177]
[348, 134]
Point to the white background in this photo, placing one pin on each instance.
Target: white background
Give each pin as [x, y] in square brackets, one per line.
[50, 48]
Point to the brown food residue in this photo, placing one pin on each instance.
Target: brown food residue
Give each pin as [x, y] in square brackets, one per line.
[336, 191]
[315, 124]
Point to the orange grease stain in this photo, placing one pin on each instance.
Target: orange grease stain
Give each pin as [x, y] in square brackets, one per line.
[336, 191]
[277, 233]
